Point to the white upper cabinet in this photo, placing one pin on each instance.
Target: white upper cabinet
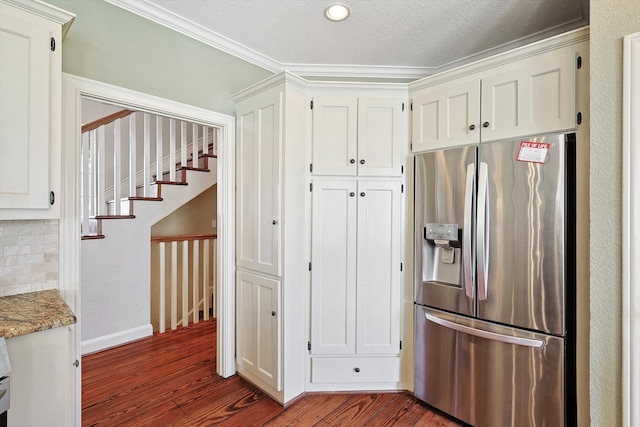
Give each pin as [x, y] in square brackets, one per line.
[30, 109]
[535, 98]
[535, 94]
[259, 145]
[446, 115]
[357, 136]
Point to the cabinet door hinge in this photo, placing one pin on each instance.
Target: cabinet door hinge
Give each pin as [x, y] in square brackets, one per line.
[310, 167]
[309, 345]
[411, 146]
[52, 198]
[402, 188]
[401, 266]
[311, 104]
[52, 44]
[411, 106]
[403, 106]
[579, 62]
[402, 170]
[311, 186]
[309, 265]
[579, 118]
[400, 344]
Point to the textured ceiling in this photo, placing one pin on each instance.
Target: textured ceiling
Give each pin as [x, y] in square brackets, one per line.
[401, 38]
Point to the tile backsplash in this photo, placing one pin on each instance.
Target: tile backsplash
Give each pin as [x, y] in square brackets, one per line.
[28, 256]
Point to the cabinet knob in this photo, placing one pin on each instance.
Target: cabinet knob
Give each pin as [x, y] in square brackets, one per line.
[362, 161]
[356, 370]
[485, 125]
[472, 127]
[352, 194]
[274, 222]
[352, 161]
[273, 313]
[362, 194]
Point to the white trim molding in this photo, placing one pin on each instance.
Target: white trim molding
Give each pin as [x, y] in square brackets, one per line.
[118, 338]
[631, 232]
[74, 89]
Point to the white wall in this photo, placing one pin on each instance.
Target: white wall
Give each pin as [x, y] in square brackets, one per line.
[610, 21]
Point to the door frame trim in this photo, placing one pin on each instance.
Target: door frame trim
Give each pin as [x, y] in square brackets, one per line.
[74, 88]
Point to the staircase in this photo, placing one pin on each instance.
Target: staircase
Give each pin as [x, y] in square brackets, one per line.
[109, 190]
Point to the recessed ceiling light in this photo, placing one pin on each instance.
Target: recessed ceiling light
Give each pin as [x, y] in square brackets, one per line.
[336, 12]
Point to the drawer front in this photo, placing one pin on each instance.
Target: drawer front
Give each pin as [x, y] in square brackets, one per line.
[355, 369]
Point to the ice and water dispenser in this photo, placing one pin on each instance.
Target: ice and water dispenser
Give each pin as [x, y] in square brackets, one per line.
[441, 254]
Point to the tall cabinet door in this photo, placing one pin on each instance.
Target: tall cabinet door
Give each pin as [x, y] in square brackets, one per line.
[379, 137]
[334, 133]
[259, 183]
[333, 273]
[257, 318]
[446, 116]
[378, 271]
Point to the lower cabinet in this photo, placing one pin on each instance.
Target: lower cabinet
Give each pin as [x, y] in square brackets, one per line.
[258, 326]
[355, 280]
[40, 379]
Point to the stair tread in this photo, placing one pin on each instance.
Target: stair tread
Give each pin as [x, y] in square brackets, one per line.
[171, 183]
[146, 199]
[92, 236]
[114, 216]
[189, 168]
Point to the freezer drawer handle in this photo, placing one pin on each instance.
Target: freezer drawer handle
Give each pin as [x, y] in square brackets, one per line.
[527, 342]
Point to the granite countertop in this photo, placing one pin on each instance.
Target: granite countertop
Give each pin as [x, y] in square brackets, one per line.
[32, 312]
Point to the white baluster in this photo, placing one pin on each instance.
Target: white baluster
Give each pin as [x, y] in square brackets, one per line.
[93, 173]
[214, 263]
[159, 134]
[183, 143]
[162, 308]
[194, 145]
[185, 285]
[132, 154]
[205, 279]
[146, 156]
[117, 172]
[174, 285]
[172, 150]
[205, 140]
[86, 182]
[101, 203]
[196, 280]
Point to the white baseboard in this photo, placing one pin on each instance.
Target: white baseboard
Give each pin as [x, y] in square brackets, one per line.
[113, 340]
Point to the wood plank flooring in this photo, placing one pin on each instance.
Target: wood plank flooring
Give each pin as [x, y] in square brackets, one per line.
[171, 380]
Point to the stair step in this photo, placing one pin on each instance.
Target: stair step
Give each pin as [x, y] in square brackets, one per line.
[115, 216]
[92, 237]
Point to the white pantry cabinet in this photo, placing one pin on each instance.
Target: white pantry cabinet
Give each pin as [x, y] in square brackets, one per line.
[355, 278]
[532, 95]
[30, 108]
[272, 254]
[357, 136]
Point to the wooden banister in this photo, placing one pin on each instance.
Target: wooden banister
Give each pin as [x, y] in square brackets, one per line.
[104, 120]
[183, 237]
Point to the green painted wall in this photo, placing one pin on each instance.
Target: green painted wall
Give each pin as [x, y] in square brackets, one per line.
[111, 45]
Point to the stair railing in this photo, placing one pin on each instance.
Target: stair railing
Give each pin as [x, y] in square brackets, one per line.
[152, 154]
[184, 288]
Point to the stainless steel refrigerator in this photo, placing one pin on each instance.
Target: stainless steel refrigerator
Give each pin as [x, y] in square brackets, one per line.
[495, 281]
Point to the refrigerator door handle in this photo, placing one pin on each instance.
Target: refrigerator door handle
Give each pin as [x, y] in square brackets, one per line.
[466, 230]
[482, 242]
[527, 342]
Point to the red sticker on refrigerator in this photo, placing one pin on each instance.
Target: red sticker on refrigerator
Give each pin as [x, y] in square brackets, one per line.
[533, 152]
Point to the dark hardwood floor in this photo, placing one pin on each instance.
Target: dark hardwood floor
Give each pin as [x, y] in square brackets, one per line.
[171, 380]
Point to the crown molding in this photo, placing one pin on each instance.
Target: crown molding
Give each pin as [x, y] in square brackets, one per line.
[195, 31]
[44, 10]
